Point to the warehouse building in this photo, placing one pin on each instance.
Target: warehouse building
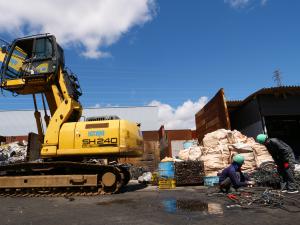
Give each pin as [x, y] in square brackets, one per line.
[21, 122]
[274, 111]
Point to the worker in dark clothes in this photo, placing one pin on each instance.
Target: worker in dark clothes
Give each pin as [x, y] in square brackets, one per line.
[233, 176]
[284, 158]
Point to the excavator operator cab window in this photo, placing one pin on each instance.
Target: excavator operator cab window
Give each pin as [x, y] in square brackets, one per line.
[43, 49]
[31, 57]
[16, 58]
[60, 56]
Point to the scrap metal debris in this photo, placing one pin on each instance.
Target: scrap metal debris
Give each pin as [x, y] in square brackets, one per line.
[262, 198]
[267, 176]
[189, 172]
[297, 173]
[136, 172]
[13, 152]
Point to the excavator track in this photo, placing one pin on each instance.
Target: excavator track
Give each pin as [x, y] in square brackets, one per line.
[56, 179]
[67, 193]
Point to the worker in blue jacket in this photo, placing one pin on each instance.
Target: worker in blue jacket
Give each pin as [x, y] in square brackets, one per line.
[284, 158]
[233, 176]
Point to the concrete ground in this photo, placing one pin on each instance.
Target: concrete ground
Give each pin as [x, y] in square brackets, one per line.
[139, 205]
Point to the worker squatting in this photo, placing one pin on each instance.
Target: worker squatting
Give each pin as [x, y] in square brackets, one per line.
[283, 156]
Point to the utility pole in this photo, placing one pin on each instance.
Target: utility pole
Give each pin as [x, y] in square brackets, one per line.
[277, 77]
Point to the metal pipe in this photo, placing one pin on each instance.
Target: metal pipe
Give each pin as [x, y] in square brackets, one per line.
[38, 120]
[46, 117]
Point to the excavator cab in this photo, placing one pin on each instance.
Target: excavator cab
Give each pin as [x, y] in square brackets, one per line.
[31, 64]
[32, 56]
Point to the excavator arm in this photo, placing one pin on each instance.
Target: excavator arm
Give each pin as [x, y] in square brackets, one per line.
[35, 65]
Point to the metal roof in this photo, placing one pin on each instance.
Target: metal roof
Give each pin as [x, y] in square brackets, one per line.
[282, 90]
[233, 103]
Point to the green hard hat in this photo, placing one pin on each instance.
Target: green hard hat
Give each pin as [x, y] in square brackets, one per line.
[239, 159]
[261, 138]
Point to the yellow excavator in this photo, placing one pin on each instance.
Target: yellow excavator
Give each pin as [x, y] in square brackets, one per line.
[68, 158]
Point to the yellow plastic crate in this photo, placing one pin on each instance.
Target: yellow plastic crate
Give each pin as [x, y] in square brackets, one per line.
[154, 179]
[166, 183]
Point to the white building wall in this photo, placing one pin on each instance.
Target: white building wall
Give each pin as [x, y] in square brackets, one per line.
[21, 122]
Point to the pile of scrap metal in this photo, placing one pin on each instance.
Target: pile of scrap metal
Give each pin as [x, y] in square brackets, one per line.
[262, 198]
[267, 176]
[136, 171]
[13, 152]
[189, 172]
[297, 173]
[218, 148]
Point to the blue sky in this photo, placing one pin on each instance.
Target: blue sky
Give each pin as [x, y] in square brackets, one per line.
[186, 50]
[192, 50]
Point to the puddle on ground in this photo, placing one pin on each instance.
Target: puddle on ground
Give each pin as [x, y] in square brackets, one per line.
[191, 205]
[116, 201]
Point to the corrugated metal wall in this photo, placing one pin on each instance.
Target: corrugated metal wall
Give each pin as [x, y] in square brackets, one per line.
[247, 119]
[151, 156]
[177, 135]
[272, 105]
[213, 116]
[11, 139]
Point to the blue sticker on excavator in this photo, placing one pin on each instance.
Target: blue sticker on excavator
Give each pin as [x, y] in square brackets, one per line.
[98, 133]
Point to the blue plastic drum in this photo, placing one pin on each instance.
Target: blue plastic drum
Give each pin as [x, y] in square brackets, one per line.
[166, 170]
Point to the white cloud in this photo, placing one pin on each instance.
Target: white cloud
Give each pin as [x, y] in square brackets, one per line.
[238, 4]
[91, 24]
[182, 117]
[264, 2]
[98, 105]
